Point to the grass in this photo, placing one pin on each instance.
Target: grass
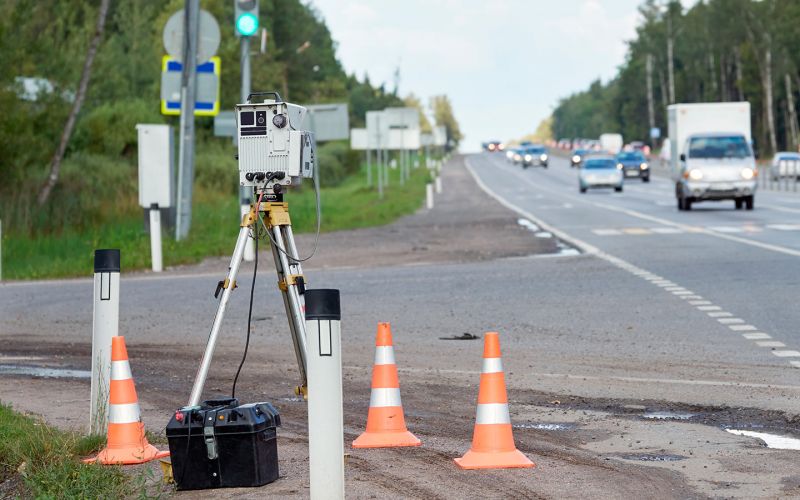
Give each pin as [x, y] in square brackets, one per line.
[214, 227]
[47, 460]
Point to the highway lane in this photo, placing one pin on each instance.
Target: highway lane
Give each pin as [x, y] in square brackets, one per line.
[736, 269]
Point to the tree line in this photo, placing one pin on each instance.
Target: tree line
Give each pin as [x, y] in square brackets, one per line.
[717, 50]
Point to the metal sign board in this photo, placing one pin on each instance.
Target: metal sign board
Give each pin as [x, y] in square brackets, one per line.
[207, 100]
[377, 129]
[402, 117]
[208, 36]
[328, 122]
[440, 136]
[156, 165]
[426, 139]
[359, 139]
[405, 139]
[225, 124]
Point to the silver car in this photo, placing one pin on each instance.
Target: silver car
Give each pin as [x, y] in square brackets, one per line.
[600, 172]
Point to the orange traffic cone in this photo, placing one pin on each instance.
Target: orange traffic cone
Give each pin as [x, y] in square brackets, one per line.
[386, 425]
[492, 442]
[126, 442]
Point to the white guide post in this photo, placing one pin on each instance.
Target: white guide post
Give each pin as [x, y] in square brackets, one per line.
[105, 325]
[325, 413]
[155, 239]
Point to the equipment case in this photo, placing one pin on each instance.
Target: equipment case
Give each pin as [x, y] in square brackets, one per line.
[223, 444]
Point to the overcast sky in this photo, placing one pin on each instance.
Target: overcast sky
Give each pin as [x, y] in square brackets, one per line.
[504, 63]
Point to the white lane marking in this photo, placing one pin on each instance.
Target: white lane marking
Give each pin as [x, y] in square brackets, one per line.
[784, 227]
[674, 288]
[666, 285]
[683, 292]
[606, 232]
[770, 343]
[756, 336]
[716, 311]
[796, 364]
[742, 328]
[725, 229]
[730, 321]
[787, 354]
[699, 303]
[666, 230]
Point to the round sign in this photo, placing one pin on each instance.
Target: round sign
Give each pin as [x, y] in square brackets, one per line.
[208, 36]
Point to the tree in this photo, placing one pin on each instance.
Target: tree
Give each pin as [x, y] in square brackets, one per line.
[443, 116]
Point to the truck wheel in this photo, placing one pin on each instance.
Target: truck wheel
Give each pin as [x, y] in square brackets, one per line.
[748, 202]
[739, 203]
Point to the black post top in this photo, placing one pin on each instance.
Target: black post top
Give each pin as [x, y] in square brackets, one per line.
[323, 303]
[106, 261]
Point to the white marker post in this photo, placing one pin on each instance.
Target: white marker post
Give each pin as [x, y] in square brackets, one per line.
[438, 183]
[429, 195]
[155, 238]
[104, 326]
[325, 412]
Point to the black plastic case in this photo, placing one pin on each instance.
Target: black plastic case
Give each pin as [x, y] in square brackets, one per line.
[223, 444]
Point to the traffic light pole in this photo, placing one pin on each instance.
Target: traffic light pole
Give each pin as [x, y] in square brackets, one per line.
[244, 196]
[188, 92]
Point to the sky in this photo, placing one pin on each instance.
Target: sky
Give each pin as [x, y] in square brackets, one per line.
[503, 63]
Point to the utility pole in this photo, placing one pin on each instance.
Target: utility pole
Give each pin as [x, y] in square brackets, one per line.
[670, 58]
[651, 115]
[188, 92]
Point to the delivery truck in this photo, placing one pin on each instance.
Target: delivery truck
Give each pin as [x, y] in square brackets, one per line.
[711, 155]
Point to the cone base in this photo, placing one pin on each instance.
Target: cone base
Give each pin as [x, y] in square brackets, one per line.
[386, 440]
[494, 460]
[128, 456]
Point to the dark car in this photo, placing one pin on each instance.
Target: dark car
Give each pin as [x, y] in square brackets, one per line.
[493, 146]
[534, 155]
[634, 164]
[578, 156]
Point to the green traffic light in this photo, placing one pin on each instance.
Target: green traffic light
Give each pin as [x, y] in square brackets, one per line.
[247, 24]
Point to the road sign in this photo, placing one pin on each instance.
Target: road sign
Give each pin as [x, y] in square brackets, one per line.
[440, 136]
[207, 100]
[359, 139]
[655, 133]
[208, 36]
[156, 165]
[328, 122]
[426, 140]
[225, 124]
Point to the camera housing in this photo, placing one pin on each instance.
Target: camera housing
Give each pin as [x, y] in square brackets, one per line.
[272, 148]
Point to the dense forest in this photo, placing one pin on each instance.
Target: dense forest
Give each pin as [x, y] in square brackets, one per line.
[47, 40]
[717, 50]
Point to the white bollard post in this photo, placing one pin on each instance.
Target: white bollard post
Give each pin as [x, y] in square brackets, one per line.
[250, 246]
[155, 238]
[325, 411]
[438, 183]
[429, 195]
[105, 325]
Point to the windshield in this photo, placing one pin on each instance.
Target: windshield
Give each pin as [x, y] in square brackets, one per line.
[536, 150]
[600, 164]
[630, 157]
[719, 147]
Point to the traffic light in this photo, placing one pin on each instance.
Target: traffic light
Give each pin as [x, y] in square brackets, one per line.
[246, 17]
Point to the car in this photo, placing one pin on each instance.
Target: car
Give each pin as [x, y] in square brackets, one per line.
[634, 164]
[515, 155]
[600, 172]
[534, 155]
[493, 146]
[577, 157]
[785, 165]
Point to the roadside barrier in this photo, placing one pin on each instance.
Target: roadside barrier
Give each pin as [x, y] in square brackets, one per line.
[386, 424]
[492, 441]
[127, 443]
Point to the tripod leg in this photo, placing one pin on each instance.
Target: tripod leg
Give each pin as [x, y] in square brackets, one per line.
[230, 283]
[287, 274]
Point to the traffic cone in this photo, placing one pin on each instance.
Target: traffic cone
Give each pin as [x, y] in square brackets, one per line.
[492, 442]
[126, 443]
[386, 425]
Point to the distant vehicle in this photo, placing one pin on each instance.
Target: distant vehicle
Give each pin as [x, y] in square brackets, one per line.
[611, 143]
[711, 157]
[517, 155]
[600, 172]
[785, 165]
[634, 164]
[493, 146]
[577, 157]
[525, 144]
[534, 156]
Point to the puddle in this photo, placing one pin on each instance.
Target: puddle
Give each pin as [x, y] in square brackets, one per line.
[40, 371]
[667, 415]
[772, 440]
[650, 457]
[546, 426]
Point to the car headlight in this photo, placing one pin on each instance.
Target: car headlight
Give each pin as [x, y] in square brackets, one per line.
[528, 157]
[644, 166]
[620, 166]
[695, 174]
[543, 157]
[748, 173]
[576, 159]
[491, 147]
[517, 157]
[501, 147]
[509, 155]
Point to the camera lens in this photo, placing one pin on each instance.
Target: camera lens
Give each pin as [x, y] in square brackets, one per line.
[261, 118]
[279, 121]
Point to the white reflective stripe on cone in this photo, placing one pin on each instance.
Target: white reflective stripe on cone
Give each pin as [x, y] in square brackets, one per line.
[492, 365]
[120, 370]
[126, 413]
[492, 413]
[385, 397]
[384, 355]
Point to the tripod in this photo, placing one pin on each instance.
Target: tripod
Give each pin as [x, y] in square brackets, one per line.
[290, 281]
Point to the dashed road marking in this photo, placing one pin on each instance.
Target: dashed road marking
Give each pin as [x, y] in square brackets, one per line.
[709, 308]
[756, 336]
[719, 314]
[683, 292]
[699, 303]
[742, 328]
[787, 354]
[770, 343]
[730, 321]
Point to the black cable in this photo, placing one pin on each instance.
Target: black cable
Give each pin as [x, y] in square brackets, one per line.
[249, 315]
